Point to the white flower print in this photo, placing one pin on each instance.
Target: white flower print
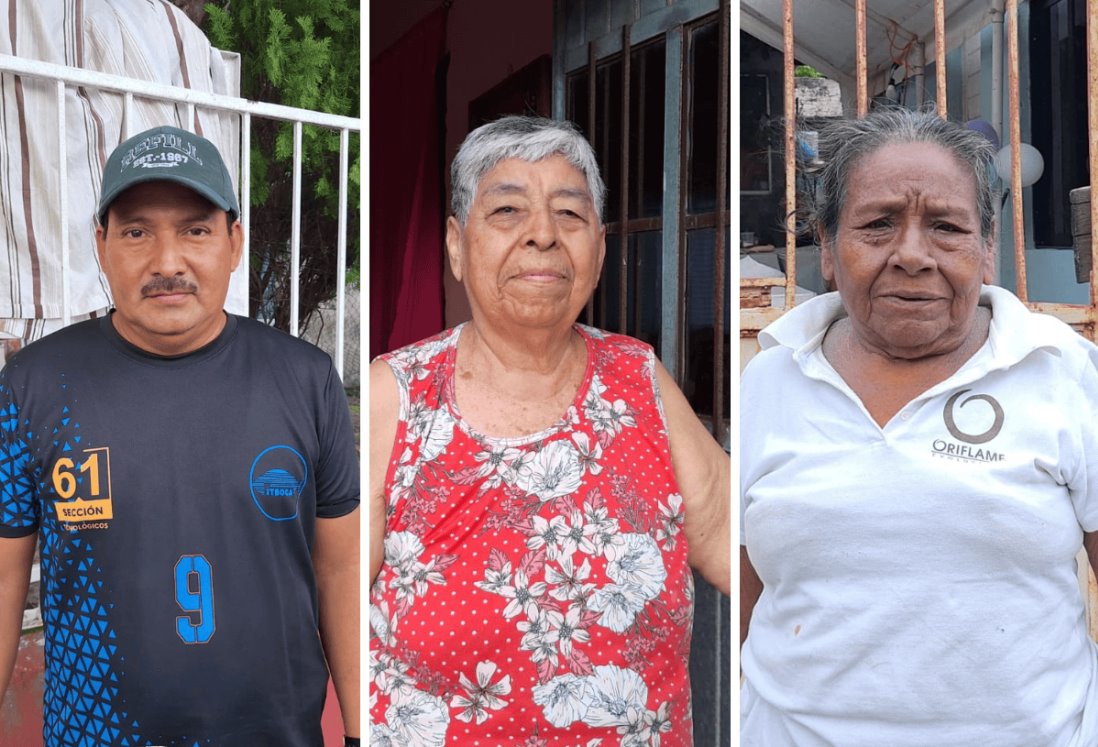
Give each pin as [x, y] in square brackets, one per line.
[658, 722]
[594, 332]
[439, 435]
[495, 581]
[413, 360]
[402, 549]
[649, 368]
[635, 733]
[379, 623]
[573, 534]
[593, 401]
[563, 699]
[570, 632]
[568, 582]
[619, 606]
[571, 416]
[426, 574]
[498, 465]
[420, 417]
[391, 674]
[588, 457]
[382, 736]
[523, 595]
[428, 350]
[405, 474]
[408, 577]
[540, 634]
[600, 532]
[417, 368]
[612, 418]
[417, 719]
[671, 521]
[549, 534]
[615, 697]
[552, 472]
[483, 696]
[638, 563]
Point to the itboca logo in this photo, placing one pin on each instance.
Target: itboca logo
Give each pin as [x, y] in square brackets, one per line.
[277, 478]
[976, 431]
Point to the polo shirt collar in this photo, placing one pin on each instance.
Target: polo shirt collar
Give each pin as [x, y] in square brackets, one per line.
[1015, 331]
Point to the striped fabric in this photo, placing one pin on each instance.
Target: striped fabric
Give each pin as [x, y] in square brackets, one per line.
[150, 40]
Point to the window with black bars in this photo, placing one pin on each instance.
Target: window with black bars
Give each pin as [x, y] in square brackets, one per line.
[623, 114]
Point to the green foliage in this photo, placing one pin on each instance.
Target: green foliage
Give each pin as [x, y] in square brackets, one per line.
[301, 53]
[806, 71]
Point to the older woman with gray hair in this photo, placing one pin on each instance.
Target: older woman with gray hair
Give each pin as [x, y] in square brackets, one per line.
[539, 489]
[919, 471]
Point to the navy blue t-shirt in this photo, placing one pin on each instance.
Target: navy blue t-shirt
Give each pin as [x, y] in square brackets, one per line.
[177, 501]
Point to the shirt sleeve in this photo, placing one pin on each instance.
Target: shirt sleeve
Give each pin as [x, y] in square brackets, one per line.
[751, 403]
[337, 477]
[19, 513]
[1083, 484]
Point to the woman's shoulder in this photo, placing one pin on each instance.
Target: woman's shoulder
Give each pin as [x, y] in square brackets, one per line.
[616, 343]
[1017, 332]
[421, 353]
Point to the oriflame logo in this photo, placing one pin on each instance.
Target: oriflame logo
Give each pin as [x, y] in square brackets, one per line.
[978, 438]
[968, 449]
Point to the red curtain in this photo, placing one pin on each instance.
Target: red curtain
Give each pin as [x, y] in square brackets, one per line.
[406, 187]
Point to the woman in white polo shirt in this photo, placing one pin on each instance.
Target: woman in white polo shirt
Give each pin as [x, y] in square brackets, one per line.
[919, 471]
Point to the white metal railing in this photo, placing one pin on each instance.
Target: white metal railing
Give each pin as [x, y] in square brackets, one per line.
[65, 76]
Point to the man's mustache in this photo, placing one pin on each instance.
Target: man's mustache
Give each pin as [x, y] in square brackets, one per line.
[161, 285]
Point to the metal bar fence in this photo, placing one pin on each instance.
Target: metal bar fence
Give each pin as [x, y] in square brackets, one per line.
[65, 77]
[756, 310]
[790, 161]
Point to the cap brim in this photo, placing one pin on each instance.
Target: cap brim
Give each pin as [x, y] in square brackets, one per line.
[198, 187]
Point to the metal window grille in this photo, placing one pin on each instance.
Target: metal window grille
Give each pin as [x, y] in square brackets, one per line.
[609, 97]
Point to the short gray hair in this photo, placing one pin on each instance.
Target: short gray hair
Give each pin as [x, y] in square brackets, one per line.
[845, 143]
[528, 139]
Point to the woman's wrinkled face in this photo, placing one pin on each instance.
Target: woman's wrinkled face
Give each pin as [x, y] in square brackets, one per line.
[908, 257]
[532, 245]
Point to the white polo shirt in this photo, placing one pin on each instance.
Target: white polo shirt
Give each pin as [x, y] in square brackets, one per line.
[920, 582]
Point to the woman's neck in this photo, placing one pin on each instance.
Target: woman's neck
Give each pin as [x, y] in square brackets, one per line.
[886, 384]
[538, 352]
[508, 387]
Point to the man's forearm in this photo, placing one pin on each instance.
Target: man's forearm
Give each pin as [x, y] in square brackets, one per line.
[339, 634]
[15, 565]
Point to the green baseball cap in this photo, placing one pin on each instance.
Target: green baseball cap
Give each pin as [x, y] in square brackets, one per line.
[168, 154]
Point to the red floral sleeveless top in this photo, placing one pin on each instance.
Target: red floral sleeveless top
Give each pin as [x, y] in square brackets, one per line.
[535, 590]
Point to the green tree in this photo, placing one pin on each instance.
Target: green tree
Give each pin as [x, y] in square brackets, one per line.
[301, 53]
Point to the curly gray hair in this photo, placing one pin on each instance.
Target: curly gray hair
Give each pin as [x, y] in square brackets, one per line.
[528, 139]
[844, 143]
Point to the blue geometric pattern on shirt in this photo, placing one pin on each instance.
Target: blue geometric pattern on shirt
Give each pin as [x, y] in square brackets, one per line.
[81, 693]
[81, 704]
[17, 494]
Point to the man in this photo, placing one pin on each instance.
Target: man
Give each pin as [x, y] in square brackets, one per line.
[194, 481]
[146, 40]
